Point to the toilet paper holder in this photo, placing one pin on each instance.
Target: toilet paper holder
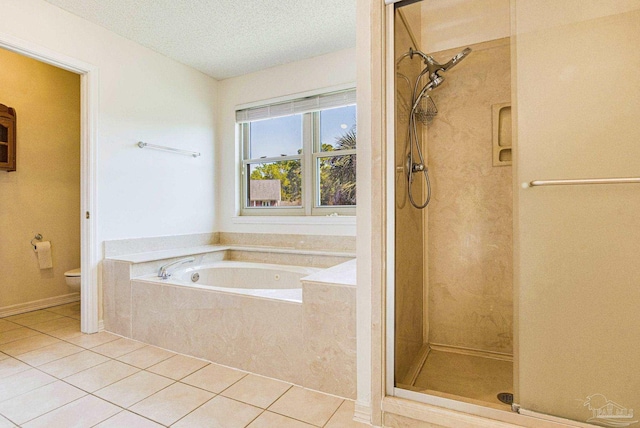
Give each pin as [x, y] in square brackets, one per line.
[37, 237]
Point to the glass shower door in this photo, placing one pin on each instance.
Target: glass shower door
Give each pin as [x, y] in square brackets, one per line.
[577, 87]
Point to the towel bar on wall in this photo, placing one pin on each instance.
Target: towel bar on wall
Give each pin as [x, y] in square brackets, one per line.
[142, 145]
[537, 183]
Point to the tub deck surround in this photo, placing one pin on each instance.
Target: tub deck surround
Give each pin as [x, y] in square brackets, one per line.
[329, 329]
[309, 342]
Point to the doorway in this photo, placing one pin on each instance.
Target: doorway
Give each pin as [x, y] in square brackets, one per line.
[88, 192]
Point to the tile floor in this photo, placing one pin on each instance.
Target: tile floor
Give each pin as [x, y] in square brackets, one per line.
[52, 375]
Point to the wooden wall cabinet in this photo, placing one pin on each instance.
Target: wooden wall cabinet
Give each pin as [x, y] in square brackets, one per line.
[7, 138]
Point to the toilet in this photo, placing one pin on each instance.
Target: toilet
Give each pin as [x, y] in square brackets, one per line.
[72, 277]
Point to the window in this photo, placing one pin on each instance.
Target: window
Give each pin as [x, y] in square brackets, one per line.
[299, 157]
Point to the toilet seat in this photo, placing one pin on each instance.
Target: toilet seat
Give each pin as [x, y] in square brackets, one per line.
[72, 272]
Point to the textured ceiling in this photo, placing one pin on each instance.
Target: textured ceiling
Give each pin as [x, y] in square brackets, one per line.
[226, 38]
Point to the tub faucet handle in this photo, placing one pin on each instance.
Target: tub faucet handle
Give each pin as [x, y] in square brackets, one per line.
[164, 269]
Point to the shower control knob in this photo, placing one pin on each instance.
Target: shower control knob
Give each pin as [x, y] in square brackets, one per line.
[417, 167]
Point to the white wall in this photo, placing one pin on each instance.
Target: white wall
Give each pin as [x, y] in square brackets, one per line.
[142, 96]
[326, 71]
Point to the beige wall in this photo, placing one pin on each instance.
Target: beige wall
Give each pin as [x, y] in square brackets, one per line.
[578, 246]
[450, 24]
[43, 194]
[470, 219]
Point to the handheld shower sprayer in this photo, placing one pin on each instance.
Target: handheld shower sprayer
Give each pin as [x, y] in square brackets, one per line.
[415, 162]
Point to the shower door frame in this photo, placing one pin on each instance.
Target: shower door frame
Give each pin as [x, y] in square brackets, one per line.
[89, 249]
[390, 169]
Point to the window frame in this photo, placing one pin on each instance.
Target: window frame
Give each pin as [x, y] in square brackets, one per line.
[309, 164]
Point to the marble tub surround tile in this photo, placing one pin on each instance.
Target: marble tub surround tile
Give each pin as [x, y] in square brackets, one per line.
[116, 289]
[341, 274]
[258, 335]
[306, 242]
[157, 243]
[329, 346]
[202, 255]
[172, 403]
[230, 329]
[277, 256]
[307, 406]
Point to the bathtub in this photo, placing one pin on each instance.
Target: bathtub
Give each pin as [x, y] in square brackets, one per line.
[270, 281]
[255, 317]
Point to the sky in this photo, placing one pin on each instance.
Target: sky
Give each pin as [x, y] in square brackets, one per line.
[283, 135]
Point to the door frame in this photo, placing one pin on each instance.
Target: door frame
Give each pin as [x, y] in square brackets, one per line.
[89, 251]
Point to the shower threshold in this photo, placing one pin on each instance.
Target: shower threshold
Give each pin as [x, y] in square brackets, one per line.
[472, 378]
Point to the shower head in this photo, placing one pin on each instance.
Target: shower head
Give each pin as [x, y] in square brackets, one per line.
[456, 59]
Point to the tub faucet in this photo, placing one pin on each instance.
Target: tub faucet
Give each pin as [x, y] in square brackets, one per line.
[164, 270]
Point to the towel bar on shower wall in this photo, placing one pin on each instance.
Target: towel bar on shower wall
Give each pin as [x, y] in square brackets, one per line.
[570, 182]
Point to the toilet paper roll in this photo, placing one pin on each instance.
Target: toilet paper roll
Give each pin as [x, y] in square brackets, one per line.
[43, 249]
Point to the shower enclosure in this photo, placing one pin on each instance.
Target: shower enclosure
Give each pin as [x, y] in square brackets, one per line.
[454, 295]
[508, 293]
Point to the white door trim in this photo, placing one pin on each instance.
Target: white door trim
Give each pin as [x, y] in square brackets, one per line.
[88, 165]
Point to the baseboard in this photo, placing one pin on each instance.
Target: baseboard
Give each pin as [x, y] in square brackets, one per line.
[362, 413]
[100, 326]
[39, 304]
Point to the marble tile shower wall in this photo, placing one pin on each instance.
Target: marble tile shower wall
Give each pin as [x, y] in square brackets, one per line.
[470, 220]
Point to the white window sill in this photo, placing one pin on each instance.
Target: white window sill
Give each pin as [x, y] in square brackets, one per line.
[293, 220]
